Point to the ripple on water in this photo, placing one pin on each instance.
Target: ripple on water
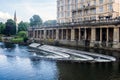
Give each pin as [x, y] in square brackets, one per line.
[15, 64]
[25, 69]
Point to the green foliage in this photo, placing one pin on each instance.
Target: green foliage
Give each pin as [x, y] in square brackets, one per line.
[35, 20]
[22, 34]
[1, 37]
[17, 40]
[22, 26]
[50, 22]
[2, 28]
[10, 28]
[25, 39]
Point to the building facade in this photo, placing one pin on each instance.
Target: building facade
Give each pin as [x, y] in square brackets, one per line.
[92, 23]
[97, 34]
[82, 10]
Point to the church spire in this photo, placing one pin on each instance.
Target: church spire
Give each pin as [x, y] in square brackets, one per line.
[15, 18]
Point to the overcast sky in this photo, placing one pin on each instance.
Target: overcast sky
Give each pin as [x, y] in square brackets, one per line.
[25, 9]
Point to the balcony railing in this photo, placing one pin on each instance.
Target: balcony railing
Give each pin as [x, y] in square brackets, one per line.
[85, 8]
[88, 23]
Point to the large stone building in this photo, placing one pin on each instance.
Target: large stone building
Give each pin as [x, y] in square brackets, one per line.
[94, 23]
[80, 10]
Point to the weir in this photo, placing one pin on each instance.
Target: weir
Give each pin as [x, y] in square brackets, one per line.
[59, 53]
[47, 48]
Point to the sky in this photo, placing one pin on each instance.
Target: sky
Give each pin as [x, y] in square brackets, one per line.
[25, 9]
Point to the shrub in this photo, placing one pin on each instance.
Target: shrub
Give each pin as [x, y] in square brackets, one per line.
[25, 39]
[22, 34]
[17, 40]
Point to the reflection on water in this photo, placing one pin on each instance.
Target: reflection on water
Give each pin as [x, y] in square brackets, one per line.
[98, 71]
[15, 64]
[16, 68]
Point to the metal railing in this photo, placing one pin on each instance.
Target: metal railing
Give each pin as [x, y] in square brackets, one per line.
[115, 21]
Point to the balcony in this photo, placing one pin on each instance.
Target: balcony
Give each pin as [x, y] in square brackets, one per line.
[85, 8]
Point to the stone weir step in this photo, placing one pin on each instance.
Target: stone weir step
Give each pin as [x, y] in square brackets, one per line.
[70, 54]
[77, 52]
[34, 45]
[64, 54]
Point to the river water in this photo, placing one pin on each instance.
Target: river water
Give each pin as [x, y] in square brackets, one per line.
[16, 63]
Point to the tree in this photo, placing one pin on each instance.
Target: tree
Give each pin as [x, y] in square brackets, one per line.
[22, 34]
[10, 28]
[22, 26]
[50, 22]
[35, 20]
[2, 28]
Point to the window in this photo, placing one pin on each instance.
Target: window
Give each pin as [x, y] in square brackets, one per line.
[76, 7]
[86, 18]
[61, 8]
[58, 9]
[110, 7]
[69, 2]
[94, 2]
[101, 9]
[58, 3]
[81, 5]
[68, 14]
[82, 0]
[58, 15]
[62, 14]
[93, 11]
[80, 19]
[101, 1]
[73, 15]
[76, 4]
[80, 13]
[62, 2]
[86, 12]
[76, 1]
[68, 7]
[73, 7]
[93, 18]
[110, 0]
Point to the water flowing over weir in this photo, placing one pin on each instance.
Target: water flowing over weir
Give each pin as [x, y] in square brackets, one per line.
[58, 53]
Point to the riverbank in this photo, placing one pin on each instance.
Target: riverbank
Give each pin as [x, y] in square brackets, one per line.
[66, 46]
[14, 40]
[20, 43]
[19, 38]
[55, 43]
